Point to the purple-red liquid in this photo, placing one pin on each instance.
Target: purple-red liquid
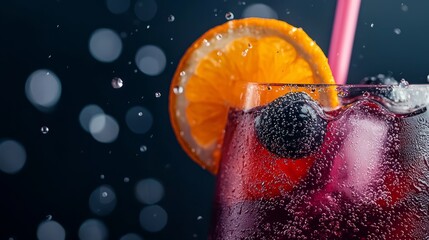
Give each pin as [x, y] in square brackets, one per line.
[369, 179]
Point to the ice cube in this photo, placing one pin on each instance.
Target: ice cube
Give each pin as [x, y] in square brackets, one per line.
[363, 151]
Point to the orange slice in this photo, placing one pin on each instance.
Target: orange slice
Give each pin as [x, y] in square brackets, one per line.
[239, 51]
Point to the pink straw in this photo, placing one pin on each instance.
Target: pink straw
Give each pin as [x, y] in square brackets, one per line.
[342, 38]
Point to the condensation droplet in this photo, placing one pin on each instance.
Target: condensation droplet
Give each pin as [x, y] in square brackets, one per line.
[365, 94]
[117, 82]
[171, 18]
[157, 94]
[229, 16]
[206, 42]
[178, 89]
[44, 129]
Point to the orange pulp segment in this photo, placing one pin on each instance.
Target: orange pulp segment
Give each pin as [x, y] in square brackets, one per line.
[239, 51]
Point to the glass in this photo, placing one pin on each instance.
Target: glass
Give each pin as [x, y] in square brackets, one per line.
[325, 162]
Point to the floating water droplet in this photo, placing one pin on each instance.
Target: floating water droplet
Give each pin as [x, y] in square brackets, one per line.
[182, 73]
[44, 129]
[403, 83]
[117, 82]
[397, 31]
[148, 26]
[104, 194]
[427, 78]
[143, 148]
[372, 25]
[126, 179]
[58, 26]
[178, 89]
[157, 94]
[48, 217]
[404, 7]
[171, 18]
[229, 16]
[102, 176]
[199, 218]
[140, 114]
[218, 36]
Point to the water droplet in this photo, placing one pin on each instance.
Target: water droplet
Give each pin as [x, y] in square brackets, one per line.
[171, 18]
[427, 78]
[404, 7]
[140, 114]
[104, 194]
[249, 45]
[117, 82]
[157, 94]
[365, 94]
[244, 53]
[50, 56]
[102, 176]
[126, 179]
[148, 26]
[219, 36]
[44, 129]
[403, 83]
[182, 73]
[199, 218]
[143, 148]
[229, 16]
[397, 31]
[58, 26]
[206, 42]
[48, 217]
[372, 25]
[178, 89]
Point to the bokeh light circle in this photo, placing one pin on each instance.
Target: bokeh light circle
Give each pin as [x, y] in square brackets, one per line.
[93, 229]
[259, 10]
[102, 200]
[139, 120]
[43, 89]
[131, 236]
[153, 218]
[118, 6]
[145, 10]
[149, 191]
[12, 156]
[87, 113]
[105, 45]
[151, 60]
[50, 230]
[104, 128]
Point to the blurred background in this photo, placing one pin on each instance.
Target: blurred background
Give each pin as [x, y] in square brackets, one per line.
[69, 67]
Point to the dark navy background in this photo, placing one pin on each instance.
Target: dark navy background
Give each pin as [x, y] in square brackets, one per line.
[64, 166]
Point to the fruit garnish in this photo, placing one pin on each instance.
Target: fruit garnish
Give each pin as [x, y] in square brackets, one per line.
[237, 52]
[290, 126]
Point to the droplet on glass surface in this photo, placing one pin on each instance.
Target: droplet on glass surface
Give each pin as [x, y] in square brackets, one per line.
[244, 53]
[157, 94]
[117, 82]
[44, 129]
[171, 18]
[218, 36]
[229, 16]
[143, 148]
[397, 31]
[182, 73]
[206, 42]
[178, 89]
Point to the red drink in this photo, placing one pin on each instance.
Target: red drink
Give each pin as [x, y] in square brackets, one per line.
[293, 169]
